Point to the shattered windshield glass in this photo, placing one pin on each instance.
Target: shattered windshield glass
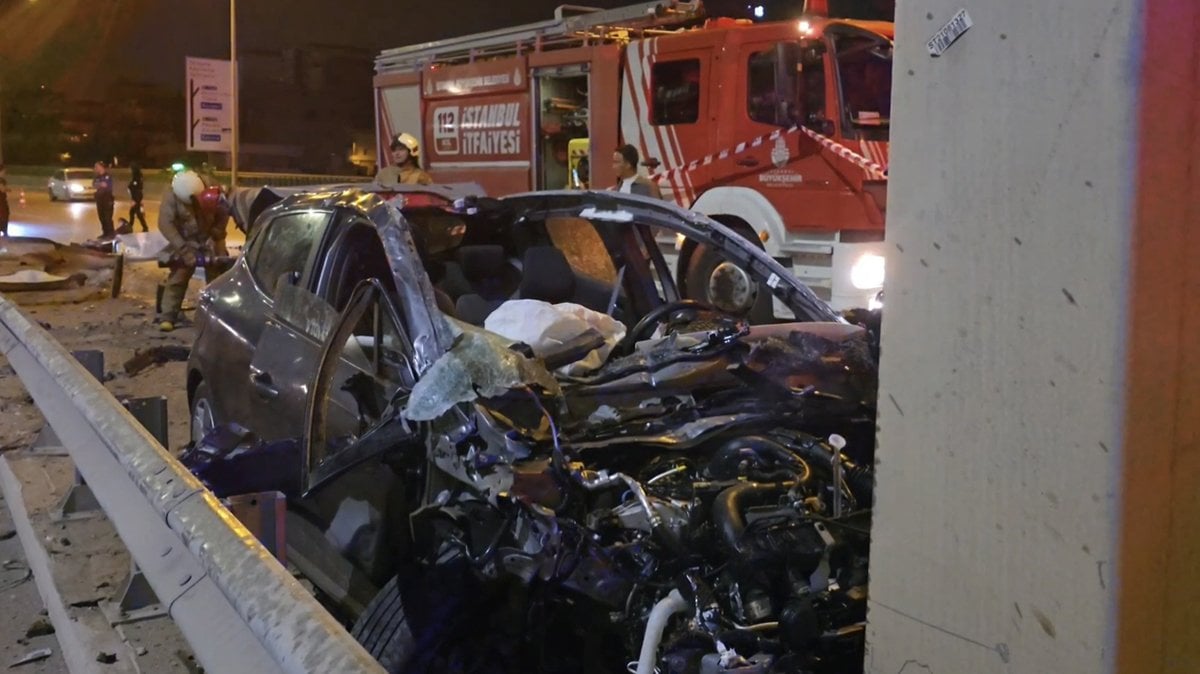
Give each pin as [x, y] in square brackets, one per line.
[481, 364]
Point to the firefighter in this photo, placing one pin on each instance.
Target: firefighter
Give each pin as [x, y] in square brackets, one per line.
[192, 219]
[625, 163]
[406, 164]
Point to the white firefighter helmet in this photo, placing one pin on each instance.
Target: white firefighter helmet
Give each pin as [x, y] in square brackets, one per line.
[409, 141]
[187, 184]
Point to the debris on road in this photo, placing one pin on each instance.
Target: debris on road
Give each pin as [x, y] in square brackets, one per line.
[34, 279]
[13, 572]
[40, 628]
[32, 656]
[157, 355]
[106, 658]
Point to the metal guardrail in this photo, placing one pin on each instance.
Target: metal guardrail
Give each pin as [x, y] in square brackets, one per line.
[238, 608]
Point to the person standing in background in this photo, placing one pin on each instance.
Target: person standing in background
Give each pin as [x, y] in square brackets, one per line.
[103, 184]
[137, 191]
[406, 164]
[3, 201]
[625, 163]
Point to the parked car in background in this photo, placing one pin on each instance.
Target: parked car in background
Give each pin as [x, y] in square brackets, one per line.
[70, 184]
[509, 442]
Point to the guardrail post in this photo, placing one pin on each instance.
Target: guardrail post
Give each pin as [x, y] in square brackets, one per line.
[79, 500]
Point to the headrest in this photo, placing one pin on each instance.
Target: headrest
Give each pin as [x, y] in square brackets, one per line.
[474, 309]
[481, 262]
[547, 275]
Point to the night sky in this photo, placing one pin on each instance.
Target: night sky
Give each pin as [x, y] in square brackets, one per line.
[80, 47]
[105, 77]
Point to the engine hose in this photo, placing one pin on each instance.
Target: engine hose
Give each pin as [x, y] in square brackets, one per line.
[817, 453]
[666, 607]
[727, 461]
[728, 507]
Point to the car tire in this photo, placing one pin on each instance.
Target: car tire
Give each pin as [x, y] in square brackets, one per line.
[455, 631]
[203, 419]
[53, 196]
[383, 629]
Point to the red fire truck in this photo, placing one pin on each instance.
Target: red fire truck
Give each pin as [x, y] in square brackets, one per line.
[777, 129]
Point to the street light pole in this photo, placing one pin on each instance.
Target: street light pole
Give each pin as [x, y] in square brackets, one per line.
[2, 100]
[233, 79]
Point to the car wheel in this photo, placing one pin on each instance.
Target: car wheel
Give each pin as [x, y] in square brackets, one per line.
[449, 606]
[53, 196]
[383, 629]
[203, 419]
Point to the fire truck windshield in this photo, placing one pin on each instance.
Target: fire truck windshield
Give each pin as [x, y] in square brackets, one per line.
[786, 84]
[864, 64]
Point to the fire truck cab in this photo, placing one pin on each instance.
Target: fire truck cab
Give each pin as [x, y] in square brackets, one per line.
[776, 129]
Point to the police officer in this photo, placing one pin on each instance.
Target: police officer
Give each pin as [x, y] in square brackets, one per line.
[194, 226]
[406, 164]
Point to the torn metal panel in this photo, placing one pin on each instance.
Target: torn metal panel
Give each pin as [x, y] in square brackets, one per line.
[431, 334]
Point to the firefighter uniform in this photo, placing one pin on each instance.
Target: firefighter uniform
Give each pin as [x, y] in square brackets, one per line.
[403, 175]
[190, 233]
[406, 164]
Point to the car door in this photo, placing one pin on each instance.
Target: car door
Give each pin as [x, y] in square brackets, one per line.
[354, 508]
[284, 256]
[286, 356]
[232, 310]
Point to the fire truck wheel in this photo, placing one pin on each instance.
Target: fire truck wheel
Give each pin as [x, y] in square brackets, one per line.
[696, 280]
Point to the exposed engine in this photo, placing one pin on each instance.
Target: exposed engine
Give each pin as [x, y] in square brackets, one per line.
[746, 552]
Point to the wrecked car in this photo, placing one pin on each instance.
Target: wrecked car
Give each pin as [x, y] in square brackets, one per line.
[508, 443]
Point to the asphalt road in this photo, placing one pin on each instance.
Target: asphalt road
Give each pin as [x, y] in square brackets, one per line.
[76, 221]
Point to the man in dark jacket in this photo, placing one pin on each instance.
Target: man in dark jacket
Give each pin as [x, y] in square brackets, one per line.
[103, 184]
[625, 163]
[137, 192]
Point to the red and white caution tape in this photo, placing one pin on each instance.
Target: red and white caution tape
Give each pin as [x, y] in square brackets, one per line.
[871, 167]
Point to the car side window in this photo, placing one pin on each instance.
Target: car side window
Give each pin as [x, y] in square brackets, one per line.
[581, 244]
[380, 346]
[285, 246]
[355, 256]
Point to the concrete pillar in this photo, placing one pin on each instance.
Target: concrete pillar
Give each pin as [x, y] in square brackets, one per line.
[1038, 500]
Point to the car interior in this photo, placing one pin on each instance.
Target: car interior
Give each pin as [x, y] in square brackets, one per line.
[482, 266]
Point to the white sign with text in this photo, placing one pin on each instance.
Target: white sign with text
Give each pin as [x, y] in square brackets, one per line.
[210, 105]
